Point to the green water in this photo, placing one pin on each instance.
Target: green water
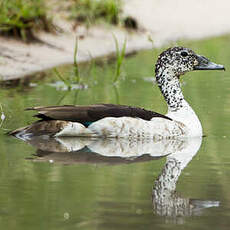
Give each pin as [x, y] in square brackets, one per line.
[83, 190]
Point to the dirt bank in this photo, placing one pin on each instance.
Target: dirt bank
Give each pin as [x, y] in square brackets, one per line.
[163, 20]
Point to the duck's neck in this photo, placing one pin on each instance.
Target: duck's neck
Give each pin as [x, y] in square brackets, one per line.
[169, 85]
[178, 108]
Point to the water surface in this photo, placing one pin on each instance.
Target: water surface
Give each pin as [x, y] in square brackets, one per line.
[84, 189]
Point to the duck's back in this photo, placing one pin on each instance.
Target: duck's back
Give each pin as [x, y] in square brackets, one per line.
[89, 114]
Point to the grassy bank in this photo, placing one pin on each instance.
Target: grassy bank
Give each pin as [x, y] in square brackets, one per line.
[19, 18]
[94, 11]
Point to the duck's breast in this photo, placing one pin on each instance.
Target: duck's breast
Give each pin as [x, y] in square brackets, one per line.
[137, 128]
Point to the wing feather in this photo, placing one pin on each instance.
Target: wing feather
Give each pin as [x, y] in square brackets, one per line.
[92, 113]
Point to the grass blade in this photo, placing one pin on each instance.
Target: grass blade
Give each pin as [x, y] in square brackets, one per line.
[76, 69]
[120, 57]
[62, 79]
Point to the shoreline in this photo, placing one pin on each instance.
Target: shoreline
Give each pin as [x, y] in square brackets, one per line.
[178, 21]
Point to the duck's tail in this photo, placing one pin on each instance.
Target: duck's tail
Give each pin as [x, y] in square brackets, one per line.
[52, 128]
[38, 128]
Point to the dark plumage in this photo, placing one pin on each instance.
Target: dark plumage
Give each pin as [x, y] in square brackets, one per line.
[91, 113]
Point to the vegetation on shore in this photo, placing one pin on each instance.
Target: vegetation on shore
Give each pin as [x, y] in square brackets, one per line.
[94, 11]
[19, 18]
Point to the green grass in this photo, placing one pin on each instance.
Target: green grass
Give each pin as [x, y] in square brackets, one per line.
[120, 54]
[75, 64]
[74, 77]
[93, 11]
[19, 18]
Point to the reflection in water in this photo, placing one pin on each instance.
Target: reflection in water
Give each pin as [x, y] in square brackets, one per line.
[121, 148]
[178, 152]
[166, 201]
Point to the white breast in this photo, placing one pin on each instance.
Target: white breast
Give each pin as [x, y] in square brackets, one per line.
[188, 117]
[129, 127]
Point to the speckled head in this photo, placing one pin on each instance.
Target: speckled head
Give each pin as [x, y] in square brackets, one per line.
[173, 63]
[179, 60]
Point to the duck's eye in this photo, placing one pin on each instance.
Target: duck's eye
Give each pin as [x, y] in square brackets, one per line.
[184, 54]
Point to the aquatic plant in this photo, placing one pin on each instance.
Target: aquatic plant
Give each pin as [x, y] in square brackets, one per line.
[91, 11]
[66, 82]
[72, 81]
[75, 64]
[19, 18]
[120, 54]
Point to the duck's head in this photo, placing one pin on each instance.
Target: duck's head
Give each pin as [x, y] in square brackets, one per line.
[179, 60]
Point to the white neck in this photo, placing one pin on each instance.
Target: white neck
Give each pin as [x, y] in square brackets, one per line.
[188, 117]
[178, 108]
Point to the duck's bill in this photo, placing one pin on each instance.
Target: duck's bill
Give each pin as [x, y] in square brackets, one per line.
[205, 64]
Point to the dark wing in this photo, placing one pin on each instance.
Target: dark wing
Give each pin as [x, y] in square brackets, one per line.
[92, 113]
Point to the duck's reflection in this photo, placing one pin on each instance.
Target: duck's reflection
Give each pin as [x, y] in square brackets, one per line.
[178, 152]
[166, 201]
[72, 150]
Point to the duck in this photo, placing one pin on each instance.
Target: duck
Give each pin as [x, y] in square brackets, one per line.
[122, 121]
